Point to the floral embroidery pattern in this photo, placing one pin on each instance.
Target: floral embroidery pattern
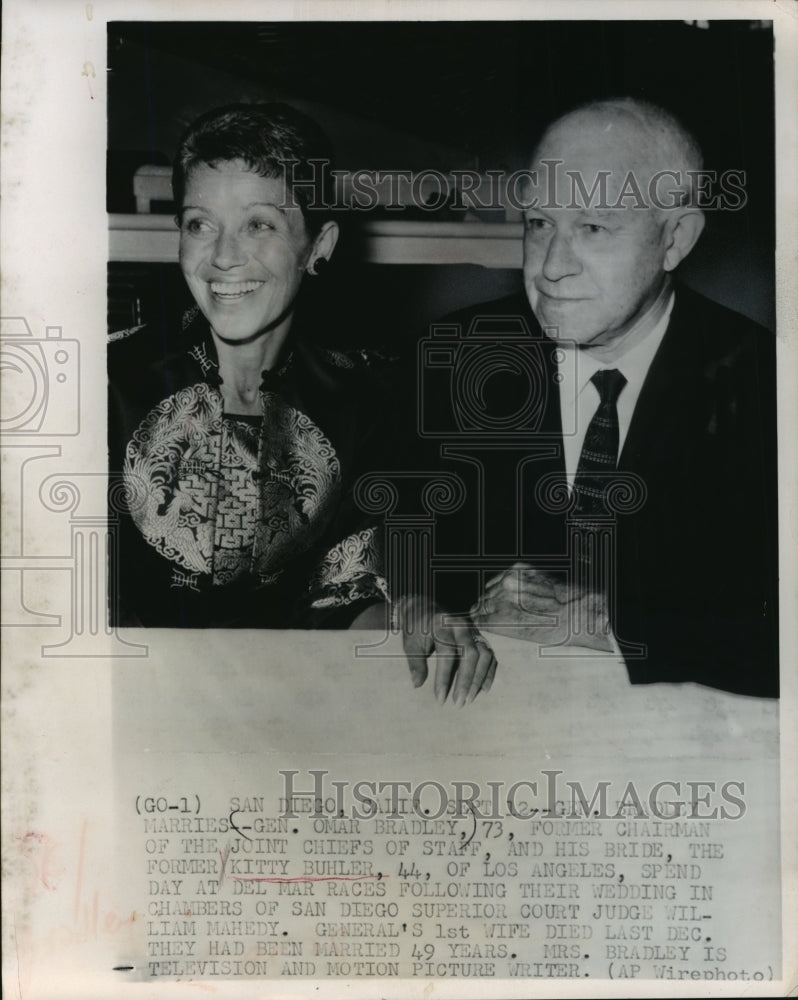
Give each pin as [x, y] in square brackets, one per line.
[225, 498]
[176, 517]
[350, 571]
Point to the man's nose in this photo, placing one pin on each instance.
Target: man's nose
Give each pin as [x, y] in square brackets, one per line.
[560, 260]
[228, 250]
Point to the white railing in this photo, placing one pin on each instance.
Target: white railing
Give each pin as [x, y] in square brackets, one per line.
[145, 237]
[154, 238]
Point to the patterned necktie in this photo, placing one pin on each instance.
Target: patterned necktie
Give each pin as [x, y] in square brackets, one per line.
[599, 457]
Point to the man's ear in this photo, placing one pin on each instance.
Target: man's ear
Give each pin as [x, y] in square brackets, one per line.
[681, 235]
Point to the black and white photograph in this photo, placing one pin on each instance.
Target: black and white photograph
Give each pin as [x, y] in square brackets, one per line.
[397, 577]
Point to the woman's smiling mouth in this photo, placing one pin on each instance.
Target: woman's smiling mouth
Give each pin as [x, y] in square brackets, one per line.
[225, 291]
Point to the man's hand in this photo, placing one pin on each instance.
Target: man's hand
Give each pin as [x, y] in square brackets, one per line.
[465, 663]
[530, 604]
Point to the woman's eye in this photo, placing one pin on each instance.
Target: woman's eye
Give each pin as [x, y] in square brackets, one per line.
[196, 226]
[593, 228]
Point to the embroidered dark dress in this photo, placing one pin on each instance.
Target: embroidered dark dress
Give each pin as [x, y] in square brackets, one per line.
[227, 520]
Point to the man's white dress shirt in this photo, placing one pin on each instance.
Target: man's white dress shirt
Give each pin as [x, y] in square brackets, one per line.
[579, 398]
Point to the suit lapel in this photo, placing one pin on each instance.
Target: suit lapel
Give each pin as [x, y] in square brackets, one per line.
[659, 418]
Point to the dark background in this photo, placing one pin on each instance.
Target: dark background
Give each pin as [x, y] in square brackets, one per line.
[445, 95]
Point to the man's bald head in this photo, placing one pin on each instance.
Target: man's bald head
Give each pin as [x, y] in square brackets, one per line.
[666, 143]
[626, 135]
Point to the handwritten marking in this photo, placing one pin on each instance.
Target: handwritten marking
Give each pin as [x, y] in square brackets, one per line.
[307, 878]
[39, 850]
[224, 855]
[238, 830]
[473, 832]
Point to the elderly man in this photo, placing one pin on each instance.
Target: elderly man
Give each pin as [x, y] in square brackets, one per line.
[647, 508]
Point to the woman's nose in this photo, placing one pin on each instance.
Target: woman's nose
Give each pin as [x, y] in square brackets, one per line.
[228, 250]
[560, 260]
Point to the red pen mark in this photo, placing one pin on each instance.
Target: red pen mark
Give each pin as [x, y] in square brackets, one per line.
[39, 849]
[223, 856]
[307, 878]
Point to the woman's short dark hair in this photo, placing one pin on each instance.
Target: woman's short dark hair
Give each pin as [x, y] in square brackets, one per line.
[274, 140]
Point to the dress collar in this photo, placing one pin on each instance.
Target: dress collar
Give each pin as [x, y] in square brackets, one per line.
[201, 349]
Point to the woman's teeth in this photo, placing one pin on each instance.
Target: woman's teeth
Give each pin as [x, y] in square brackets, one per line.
[233, 290]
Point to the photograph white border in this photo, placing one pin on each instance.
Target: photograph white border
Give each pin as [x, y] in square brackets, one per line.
[57, 725]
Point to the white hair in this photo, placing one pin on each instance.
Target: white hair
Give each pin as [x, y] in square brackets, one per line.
[665, 141]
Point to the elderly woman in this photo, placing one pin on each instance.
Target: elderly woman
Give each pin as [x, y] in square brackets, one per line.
[237, 440]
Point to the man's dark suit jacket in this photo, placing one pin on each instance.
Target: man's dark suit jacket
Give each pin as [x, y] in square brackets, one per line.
[697, 562]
